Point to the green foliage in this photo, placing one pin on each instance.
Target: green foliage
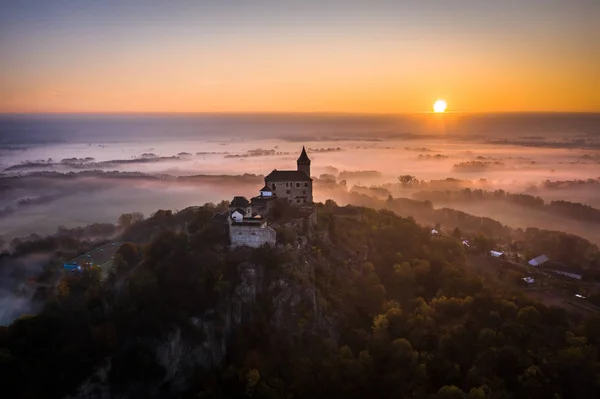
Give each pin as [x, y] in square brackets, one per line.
[286, 235]
[406, 180]
[376, 308]
[127, 219]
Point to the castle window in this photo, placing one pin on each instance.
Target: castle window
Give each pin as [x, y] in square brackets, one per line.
[297, 184]
[305, 184]
[273, 186]
[253, 234]
[288, 191]
[297, 201]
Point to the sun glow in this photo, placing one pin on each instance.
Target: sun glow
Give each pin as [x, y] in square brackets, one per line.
[439, 106]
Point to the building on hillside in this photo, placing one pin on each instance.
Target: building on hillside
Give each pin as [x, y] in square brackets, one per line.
[294, 185]
[251, 232]
[563, 269]
[242, 204]
[263, 203]
[247, 219]
[576, 276]
[497, 254]
[538, 261]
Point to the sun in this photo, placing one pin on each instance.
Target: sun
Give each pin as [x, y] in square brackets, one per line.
[439, 106]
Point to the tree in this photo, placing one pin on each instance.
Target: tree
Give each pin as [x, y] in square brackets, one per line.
[450, 392]
[127, 219]
[130, 253]
[483, 243]
[286, 235]
[457, 233]
[252, 378]
[406, 180]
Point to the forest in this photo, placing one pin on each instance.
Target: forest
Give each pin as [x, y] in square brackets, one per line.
[371, 306]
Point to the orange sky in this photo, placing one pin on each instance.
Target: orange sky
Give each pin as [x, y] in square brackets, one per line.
[361, 64]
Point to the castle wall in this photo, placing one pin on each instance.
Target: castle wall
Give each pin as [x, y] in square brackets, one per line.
[293, 189]
[251, 236]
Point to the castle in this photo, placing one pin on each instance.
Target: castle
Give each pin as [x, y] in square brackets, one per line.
[247, 219]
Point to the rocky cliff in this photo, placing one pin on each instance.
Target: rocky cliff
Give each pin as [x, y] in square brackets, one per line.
[283, 295]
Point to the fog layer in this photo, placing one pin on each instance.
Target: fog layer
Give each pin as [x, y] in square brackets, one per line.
[83, 171]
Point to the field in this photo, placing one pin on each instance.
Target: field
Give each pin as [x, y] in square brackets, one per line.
[549, 289]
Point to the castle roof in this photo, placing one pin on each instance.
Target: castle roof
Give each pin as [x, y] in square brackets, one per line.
[303, 159]
[239, 202]
[286, 175]
[266, 188]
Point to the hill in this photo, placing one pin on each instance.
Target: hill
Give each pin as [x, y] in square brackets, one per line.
[371, 305]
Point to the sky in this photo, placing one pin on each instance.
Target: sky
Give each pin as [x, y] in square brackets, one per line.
[373, 56]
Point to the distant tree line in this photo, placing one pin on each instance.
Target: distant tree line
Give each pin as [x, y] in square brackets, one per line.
[572, 210]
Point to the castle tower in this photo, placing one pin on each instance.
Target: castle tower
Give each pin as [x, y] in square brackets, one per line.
[303, 162]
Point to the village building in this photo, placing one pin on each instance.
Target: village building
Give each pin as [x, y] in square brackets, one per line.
[497, 254]
[538, 261]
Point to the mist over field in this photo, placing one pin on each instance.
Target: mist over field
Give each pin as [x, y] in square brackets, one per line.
[76, 170]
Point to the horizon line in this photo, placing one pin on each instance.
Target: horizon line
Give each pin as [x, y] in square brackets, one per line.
[249, 113]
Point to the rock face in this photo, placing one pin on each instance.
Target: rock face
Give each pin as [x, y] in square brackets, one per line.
[287, 295]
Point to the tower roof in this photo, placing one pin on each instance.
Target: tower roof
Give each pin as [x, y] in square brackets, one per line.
[303, 159]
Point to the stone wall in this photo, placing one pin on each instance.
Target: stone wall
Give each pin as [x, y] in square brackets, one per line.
[293, 189]
[251, 236]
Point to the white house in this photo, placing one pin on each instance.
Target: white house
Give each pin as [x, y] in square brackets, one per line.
[496, 254]
[538, 261]
[237, 215]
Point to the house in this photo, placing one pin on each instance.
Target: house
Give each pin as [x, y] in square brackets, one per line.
[563, 270]
[538, 261]
[239, 208]
[497, 254]
[263, 203]
[529, 280]
[575, 276]
[242, 204]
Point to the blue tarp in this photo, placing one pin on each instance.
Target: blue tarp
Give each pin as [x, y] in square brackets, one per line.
[70, 266]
